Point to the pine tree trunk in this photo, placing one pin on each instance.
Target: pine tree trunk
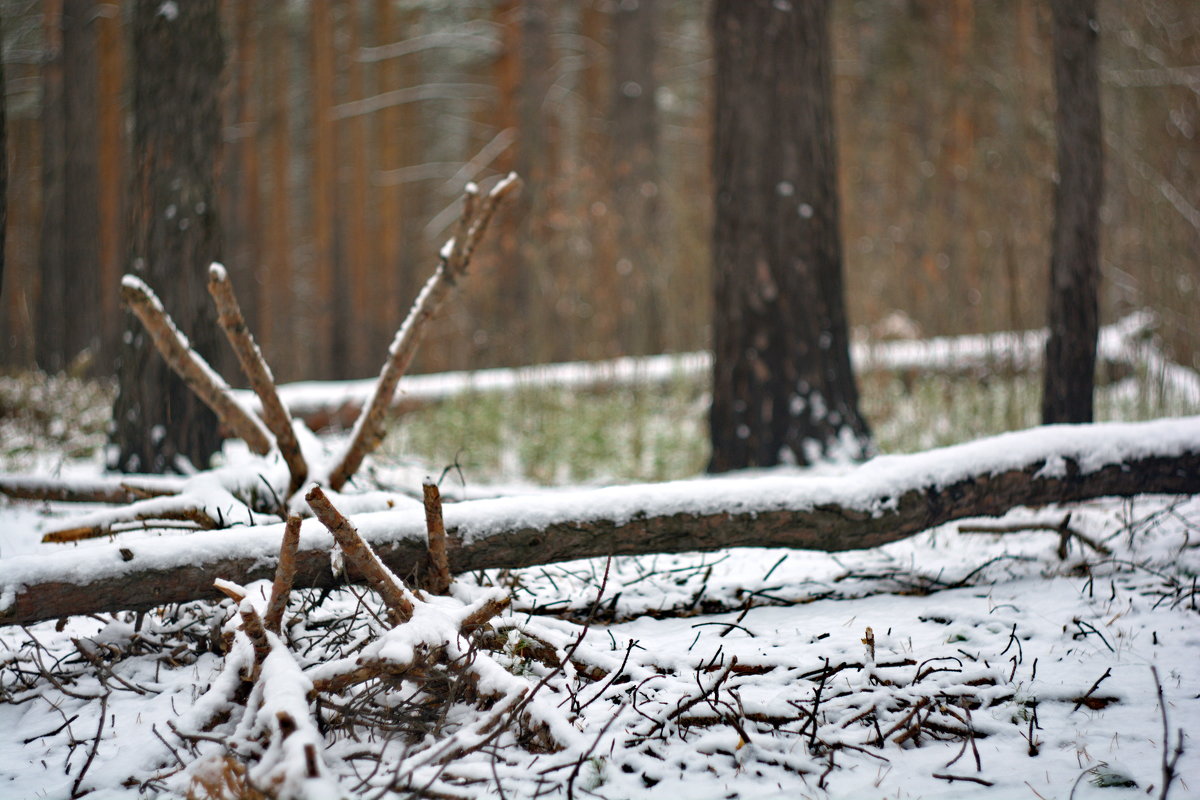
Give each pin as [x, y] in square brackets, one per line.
[329, 345]
[113, 180]
[50, 339]
[1075, 257]
[3, 162]
[174, 232]
[783, 390]
[635, 173]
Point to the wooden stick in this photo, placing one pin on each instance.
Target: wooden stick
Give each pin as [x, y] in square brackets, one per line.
[360, 554]
[369, 430]
[194, 515]
[438, 580]
[250, 357]
[285, 574]
[80, 490]
[252, 624]
[189, 365]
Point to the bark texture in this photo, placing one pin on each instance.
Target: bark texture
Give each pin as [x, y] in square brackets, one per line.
[830, 528]
[635, 136]
[174, 234]
[783, 390]
[1075, 255]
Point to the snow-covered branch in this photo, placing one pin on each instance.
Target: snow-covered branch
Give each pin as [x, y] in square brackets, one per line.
[884, 500]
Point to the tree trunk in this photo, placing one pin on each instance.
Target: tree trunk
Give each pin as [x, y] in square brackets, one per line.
[278, 308]
[174, 232]
[783, 390]
[1075, 257]
[68, 308]
[635, 174]
[111, 174]
[50, 339]
[329, 346]
[3, 161]
[877, 504]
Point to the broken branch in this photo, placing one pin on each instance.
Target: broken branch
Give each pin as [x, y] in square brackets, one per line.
[360, 554]
[201, 378]
[275, 414]
[456, 257]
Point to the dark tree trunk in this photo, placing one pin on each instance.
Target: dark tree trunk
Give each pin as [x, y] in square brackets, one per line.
[635, 172]
[1075, 257]
[69, 320]
[50, 338]
[533, 163]
[3, 161]
[783, 390]
[174, 234]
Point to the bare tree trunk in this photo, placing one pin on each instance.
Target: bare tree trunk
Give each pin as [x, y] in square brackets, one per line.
[174, 233]
[69, 318]
[329, 345]
[152, 572]
[277, 308]
[783, 390]
[3, 162]
[1075, 257]
[50, 340]
[635, 173]
[111, 173]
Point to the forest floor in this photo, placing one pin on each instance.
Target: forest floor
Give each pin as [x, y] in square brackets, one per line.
[949, 664]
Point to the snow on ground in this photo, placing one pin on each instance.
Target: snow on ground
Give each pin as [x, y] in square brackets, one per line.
[997, 619]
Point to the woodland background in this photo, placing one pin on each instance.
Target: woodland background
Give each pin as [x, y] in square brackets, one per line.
[350, 129]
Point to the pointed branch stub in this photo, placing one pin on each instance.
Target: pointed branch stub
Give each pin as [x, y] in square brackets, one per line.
[250, 357]
[369, 430]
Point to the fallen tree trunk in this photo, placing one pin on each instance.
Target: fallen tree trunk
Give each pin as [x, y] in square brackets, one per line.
[882, 501]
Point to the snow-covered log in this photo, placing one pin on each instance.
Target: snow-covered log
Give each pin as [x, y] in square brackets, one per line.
[884, 500]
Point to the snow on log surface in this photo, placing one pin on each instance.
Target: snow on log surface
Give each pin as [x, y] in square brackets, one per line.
[882, 501]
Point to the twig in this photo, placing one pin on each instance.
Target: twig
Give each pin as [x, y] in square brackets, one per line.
[1084, 697]
[967, 778]
[285, 573]
[369, 429]
[360, 554]
[201, 378]
[1063, 529]
[275, 413]
[198, 517]
[438, 580]
[1168, 763]
[91, 750]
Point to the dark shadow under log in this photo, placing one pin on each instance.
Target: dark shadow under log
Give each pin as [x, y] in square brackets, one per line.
[146, 573]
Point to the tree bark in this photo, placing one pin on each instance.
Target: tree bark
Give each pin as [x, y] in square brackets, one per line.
[783, 390]
[635, 173]
[68, 311]
[3, 162]
[329, 346]
[877, 504]
[50, 340]
[1075, 257]
[174, 234]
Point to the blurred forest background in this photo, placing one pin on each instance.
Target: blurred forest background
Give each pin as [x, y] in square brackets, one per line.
[350, 129]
